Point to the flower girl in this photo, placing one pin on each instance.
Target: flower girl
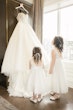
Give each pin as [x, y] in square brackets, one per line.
[37, 83]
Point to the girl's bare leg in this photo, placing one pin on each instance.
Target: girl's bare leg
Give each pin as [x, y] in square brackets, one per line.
[39, 97]
[34, 98]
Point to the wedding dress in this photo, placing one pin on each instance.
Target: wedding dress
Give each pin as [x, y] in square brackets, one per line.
[17, 55]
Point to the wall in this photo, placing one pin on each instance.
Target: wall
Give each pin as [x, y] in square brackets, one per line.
[50, 2]
[2, 29]
[69, 72]
[2, 37]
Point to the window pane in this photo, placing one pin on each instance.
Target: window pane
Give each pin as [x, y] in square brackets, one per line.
[49, 28]
[61, 20]
[67, 31]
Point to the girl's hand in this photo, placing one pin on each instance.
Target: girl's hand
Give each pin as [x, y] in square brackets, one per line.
[50, 71]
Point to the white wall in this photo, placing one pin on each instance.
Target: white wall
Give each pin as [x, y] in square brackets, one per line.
[69, 72]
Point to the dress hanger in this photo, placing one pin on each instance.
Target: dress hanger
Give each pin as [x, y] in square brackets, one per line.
[21, 6]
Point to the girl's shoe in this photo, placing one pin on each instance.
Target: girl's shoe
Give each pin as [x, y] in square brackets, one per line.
[39, 99]
[52, 93]
[55, 97]
[33, 100]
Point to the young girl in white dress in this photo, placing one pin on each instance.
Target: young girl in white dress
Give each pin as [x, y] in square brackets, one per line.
[58, 81]
[37, 83]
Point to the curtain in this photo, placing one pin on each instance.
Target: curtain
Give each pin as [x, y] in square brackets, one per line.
[38, 18]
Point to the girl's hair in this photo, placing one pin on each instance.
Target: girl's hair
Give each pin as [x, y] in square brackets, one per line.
[58, 42]
[36, 54]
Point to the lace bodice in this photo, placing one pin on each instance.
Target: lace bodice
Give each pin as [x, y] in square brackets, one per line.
[22, 17]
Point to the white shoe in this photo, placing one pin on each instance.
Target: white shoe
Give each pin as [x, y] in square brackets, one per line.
[40, 99]
[33, 100]
[52, 93]
[53, 98]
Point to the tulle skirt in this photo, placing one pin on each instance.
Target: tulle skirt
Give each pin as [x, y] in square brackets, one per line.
[38, 82]
[57, 79]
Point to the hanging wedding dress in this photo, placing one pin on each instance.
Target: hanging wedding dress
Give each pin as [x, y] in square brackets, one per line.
[17, 55]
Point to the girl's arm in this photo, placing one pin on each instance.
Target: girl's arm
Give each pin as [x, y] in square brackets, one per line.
[29, 64]
[52, 61]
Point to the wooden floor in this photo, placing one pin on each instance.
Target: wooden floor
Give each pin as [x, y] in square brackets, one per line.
[65, 102]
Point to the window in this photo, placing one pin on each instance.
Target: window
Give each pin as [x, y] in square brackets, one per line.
[49, 28]
[66, 29]
[59, 22]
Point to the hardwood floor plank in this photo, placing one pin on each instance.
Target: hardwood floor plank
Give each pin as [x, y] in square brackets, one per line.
[65, 102]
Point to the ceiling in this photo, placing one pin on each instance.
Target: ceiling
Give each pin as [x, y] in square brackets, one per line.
[50, 5]
[45, 1]
[49, 2]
